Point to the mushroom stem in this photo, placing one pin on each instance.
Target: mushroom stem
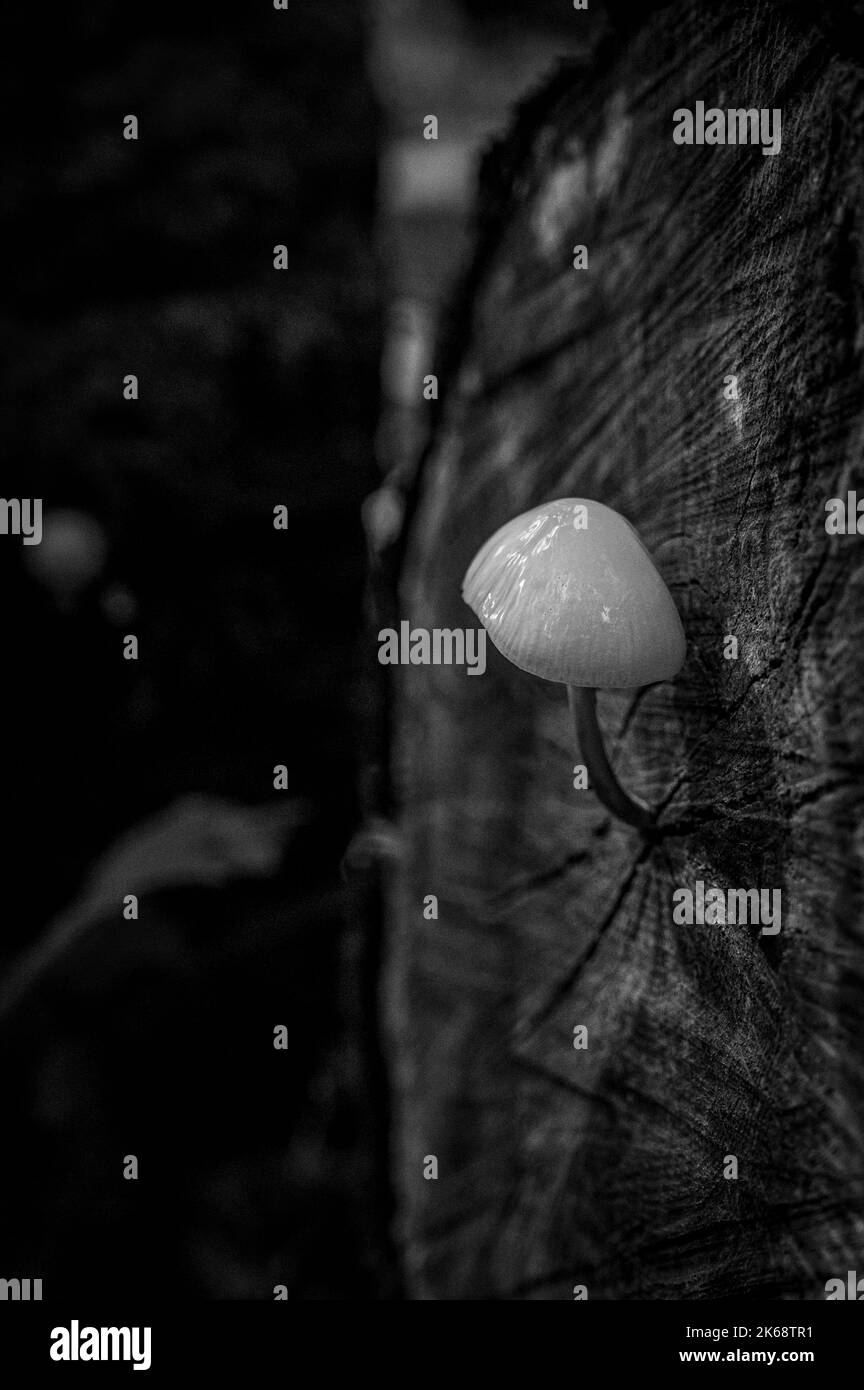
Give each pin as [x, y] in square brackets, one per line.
[583, 707]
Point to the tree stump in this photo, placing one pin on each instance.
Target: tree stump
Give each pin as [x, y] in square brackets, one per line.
[607, 1166]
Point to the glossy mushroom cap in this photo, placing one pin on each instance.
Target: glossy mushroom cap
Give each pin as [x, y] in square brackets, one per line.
[573, 596]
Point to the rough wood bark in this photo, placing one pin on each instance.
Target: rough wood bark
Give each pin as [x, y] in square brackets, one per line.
[604, 1167]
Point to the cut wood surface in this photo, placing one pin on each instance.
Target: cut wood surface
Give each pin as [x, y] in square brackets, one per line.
[604, 1167]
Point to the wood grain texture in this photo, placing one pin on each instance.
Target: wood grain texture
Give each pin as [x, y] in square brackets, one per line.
[605, 1167]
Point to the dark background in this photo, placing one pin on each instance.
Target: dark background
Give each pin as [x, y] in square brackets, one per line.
[257, 388]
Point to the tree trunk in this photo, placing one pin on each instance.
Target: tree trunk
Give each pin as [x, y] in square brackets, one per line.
[609, 1166]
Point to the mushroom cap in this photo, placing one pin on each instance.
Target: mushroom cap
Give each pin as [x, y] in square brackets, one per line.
[574, 596]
